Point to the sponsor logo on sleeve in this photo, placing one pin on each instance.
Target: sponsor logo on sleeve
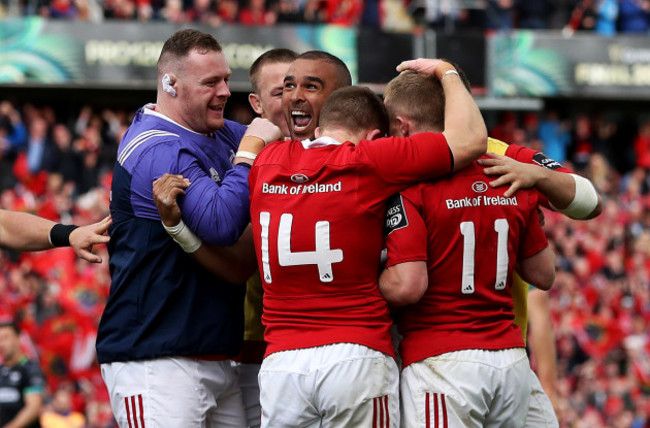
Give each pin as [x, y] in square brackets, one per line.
[395, 215]
[543, 160]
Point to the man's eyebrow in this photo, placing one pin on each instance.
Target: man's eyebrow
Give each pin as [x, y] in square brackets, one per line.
[286, 78]
[315, 79]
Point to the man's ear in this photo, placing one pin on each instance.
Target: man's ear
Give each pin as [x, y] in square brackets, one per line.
[317, 132]
[255, 102]
[373, 134]
[404, 126]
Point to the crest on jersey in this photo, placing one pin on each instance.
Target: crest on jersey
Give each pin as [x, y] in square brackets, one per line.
[543, 160]
[214, 175]
[299, 178]
[479, 186]
[395, 215]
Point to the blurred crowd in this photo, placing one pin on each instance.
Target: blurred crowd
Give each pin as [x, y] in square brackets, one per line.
[602, 16]
[60, 168]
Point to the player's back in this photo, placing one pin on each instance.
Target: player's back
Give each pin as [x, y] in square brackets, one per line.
[317, 219]
[474, 236]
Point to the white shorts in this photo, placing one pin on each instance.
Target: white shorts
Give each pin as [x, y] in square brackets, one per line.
[467, 389]
[540, 410]
[250, 391]
[174, 392]
[340, 385]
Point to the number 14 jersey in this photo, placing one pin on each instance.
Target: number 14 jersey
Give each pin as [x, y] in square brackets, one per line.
[317, 210]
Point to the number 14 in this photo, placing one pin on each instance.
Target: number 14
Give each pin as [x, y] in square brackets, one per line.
[323, 256]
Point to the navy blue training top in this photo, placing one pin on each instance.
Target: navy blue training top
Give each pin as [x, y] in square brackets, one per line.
[162, 302]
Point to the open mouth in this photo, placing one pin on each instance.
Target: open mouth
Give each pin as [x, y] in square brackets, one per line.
[301, 120]
[218, 108]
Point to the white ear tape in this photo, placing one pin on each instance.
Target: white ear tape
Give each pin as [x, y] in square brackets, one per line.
[167, 85]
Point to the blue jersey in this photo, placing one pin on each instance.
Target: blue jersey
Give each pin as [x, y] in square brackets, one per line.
[162, 302]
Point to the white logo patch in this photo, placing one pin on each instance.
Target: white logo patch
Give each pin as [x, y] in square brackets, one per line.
[299, 178]
[479, 187]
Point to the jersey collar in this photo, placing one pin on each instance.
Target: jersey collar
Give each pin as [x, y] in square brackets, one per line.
[150, 109]
[319, 142]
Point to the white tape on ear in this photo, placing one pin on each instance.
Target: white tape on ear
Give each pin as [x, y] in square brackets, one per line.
[167, 85]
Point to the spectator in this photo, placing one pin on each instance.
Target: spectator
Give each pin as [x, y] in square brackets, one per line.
[228, 11]
[607, 14]
[554, 135]
[39, 147]
[203, 11]
[21, 379]
[65, 159]
[60, 413]
[634, 17]
[583, 17]
[533, 14]
[256, 14]
[499, 15]
[642, 146]
[288, 11]
[346, 12]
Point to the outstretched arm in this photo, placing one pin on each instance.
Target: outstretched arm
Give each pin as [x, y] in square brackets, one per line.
[27, 232]
[465, 129]
[570, 194]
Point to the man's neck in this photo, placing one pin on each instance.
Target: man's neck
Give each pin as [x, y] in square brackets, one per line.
[13, 362]
[341, 135]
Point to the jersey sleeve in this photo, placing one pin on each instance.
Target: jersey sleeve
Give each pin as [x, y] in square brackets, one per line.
[35, 381]
[218, 213]
[535, 157]
[406, 234]
[526, 155]
[533, 239]
[408, 160]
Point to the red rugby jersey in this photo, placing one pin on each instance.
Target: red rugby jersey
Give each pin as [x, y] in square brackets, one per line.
[470, 235]
[317, 216]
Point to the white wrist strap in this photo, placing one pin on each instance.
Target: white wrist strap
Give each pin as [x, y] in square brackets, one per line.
[245, 155]
[184, 237]
[584, 202]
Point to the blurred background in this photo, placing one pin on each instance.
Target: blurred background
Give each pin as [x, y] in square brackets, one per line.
[568, 77]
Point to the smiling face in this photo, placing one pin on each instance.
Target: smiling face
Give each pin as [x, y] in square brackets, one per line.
[9, 344]
[202, 87]
[306, 87]
[268, 103]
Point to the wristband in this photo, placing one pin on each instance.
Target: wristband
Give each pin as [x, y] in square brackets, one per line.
[60, 234]
[449, 72]
[584, 202]
[184, 237]
[246, 155]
